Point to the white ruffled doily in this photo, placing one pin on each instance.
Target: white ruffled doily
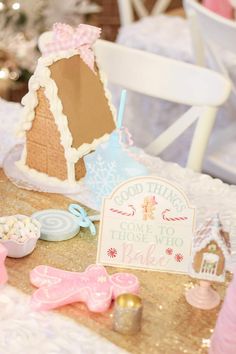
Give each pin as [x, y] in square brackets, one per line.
[207, 194]
[10, 114]
[34, 181]
[23, 331]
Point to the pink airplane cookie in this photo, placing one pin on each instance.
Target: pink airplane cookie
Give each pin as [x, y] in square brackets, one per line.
[94, 286]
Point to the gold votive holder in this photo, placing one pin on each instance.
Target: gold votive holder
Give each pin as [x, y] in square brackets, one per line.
[127, 314]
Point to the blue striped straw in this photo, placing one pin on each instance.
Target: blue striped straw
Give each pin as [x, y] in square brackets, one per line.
[121, 109]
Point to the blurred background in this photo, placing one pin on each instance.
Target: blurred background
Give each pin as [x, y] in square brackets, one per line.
[22, 21]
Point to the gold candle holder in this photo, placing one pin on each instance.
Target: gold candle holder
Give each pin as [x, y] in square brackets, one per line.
[127, 314]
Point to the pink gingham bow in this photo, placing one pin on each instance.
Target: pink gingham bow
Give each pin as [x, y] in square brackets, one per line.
[81, 38]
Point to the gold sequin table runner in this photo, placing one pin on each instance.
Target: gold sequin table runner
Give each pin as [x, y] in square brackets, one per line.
[170, 325]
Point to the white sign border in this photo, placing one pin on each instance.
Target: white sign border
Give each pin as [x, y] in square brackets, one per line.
[175, 186]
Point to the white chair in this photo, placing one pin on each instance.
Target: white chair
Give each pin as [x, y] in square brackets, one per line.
[213, 38]
[212, 34]
[171, 80]
[162, 35]
[127, 8]
[167, 79]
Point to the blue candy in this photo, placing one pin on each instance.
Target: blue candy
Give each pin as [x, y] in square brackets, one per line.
[57, 225]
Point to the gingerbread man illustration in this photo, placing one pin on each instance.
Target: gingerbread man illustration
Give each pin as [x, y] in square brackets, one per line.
[148, 206]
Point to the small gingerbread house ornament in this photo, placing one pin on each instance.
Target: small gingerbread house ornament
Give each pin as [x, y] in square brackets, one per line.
[67, 111]
[211, 249]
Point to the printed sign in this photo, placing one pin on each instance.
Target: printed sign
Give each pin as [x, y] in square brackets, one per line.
[146, 223]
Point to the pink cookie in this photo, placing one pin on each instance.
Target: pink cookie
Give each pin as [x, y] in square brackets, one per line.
[94, 287]
[3, 271]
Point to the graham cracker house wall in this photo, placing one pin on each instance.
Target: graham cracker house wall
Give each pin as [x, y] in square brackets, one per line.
[42, 145]
[64, 126]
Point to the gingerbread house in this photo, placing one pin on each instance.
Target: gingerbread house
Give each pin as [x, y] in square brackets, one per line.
[211, 249]
[67, 111]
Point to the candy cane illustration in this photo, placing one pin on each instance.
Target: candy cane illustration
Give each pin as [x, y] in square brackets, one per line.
[179, 218]
[123, 212]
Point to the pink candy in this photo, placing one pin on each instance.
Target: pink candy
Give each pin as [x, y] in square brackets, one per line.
[94, 287]
[3, 271]
[221, 7]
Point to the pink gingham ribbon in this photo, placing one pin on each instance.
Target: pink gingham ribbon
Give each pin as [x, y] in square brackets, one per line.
[125, 138]
[81, 38]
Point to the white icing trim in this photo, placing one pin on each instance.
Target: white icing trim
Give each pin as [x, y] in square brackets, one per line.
[217, 239]
[71, 172]
[213, 235]
[108, 95]
[41, 78]
[43, 177]
[210, 277]
[24, 155]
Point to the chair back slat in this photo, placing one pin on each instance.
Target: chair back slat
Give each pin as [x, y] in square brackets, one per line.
[160, 7]
[127, 8]
[170, 80]
[174, 131]
[139, 8]
[161, 77]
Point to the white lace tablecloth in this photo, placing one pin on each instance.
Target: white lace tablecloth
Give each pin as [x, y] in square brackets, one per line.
[10, 114]
[23, 331]
[147, 117]
[208, 195]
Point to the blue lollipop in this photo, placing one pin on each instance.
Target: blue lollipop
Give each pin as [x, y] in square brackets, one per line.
[111, 163]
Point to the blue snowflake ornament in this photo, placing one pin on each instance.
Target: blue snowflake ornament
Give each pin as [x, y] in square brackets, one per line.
[108, 166]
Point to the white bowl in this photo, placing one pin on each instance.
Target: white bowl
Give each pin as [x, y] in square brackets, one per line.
[16, 249]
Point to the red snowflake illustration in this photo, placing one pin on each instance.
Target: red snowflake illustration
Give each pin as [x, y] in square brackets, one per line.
[169, 251]
[179, 257]
[112, 252]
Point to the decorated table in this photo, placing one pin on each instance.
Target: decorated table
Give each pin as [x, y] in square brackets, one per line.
[147, 225]
[170, 324]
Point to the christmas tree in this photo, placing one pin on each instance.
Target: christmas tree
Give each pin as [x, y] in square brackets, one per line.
[21, 23]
